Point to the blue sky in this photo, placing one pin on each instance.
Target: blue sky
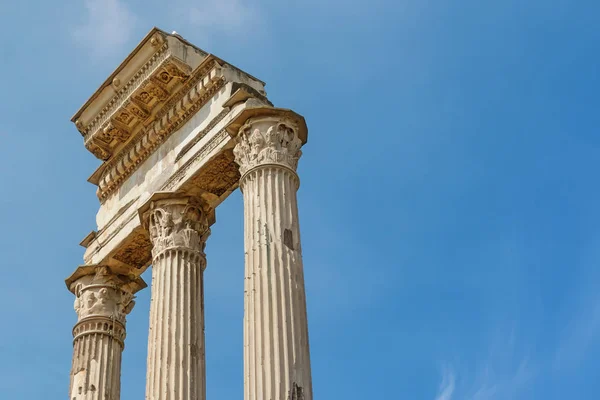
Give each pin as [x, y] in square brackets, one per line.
[449, 200]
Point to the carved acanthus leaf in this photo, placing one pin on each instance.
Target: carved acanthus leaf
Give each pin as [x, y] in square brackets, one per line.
[267, 141]
[177, 224]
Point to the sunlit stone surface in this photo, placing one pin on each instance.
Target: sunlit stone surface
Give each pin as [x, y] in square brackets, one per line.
[177, 130]
[276, 353]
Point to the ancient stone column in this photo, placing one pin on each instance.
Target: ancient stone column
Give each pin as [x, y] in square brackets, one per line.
[103, 299]
[178, 227]
[276, 348]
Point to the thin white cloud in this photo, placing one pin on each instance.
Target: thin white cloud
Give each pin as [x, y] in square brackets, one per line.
[106, 28]
[447, 386]
[487, 383]
[580, 331]
[223, 16]
[502, 370]
[581, 334]
[506, 383]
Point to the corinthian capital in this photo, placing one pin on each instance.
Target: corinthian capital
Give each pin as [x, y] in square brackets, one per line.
[176, 221]
[267, 141]
[273, 138]
[99, 292]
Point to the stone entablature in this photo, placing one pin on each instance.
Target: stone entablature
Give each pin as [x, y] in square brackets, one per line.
[188, 121]
[163, 83]
[205, 169]
[197, 90]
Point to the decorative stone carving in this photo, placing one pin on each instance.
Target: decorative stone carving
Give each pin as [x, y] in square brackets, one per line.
[102, 297]
[196, 91]
[176, 223]
[218, 139]
[99, 148]
[219, 175]
[135, 108]
[104, 294]
[137, 252]
[161, 67]
[267, 140]
[115, 130]
[153, 90]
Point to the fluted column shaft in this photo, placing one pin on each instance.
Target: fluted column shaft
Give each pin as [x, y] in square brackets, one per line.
[102, 301]
[176, 363]
[276, 347]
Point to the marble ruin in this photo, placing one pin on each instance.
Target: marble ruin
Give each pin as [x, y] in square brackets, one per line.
[177, 130]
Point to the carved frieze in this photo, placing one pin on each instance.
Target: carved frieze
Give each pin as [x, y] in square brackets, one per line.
[267, 140]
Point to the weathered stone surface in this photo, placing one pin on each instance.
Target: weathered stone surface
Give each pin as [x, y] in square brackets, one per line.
[177, 130]
[178, 226]
[102, 301]
[173, 102]
[276, 349]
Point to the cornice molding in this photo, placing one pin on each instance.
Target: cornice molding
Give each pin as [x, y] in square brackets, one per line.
[200, 87]
[134, 83]
[105, 137]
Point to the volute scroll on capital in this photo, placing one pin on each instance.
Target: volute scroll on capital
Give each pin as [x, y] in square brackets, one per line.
[101, 293]
[175, 221]
[267, 141]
